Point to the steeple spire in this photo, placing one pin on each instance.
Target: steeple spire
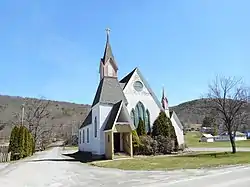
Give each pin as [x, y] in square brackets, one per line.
[107, 31]
[108, 51]
[108, 66]
[164, 100]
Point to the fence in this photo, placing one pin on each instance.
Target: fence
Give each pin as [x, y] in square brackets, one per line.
[4, 155]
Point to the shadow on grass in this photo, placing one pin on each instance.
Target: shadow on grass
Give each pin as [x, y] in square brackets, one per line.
[207, 155]
[83, 157]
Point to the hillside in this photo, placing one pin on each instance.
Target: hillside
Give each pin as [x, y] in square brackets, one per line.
[71, 115]
[193, 112]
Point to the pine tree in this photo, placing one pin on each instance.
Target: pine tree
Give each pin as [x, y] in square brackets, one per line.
[30, 144]
[141, 128]
[12, 136]
[14, 143]
[162, 125]
[174, 137]
[21, 142]
[26, 142]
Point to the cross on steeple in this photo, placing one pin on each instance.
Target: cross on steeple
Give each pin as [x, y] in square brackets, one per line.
[108, 32]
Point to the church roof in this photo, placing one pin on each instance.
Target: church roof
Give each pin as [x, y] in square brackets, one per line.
[118, 115]
[113, 113]
[171, 113]
[88, 120]
[109, 91]
[125, 79]
[177, 120]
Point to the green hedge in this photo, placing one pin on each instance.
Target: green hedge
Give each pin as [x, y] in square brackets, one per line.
[21, 143]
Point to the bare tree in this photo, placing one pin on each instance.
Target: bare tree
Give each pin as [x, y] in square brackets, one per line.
[228, 97]
[2, 124]
[2, 108]
[35, 118]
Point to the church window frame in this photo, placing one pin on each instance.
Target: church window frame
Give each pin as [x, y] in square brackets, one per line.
[87, 135]
[95, 128]
[147, 121]
[80, 137]
[141, 112]
[138, 86]
[110, 69]
[83, 136]
[132, 115]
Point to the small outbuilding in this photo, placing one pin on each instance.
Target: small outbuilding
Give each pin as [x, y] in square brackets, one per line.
[225, 137]
[207, 138]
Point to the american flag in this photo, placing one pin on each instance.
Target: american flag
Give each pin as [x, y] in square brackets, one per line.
[165, 103]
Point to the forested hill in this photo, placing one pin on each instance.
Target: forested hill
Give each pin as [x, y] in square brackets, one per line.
[71, 115]
[193, 112]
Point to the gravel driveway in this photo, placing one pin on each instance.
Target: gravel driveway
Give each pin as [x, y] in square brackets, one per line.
[51, 169]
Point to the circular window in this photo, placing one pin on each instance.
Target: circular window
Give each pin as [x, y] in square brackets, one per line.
[138, 86]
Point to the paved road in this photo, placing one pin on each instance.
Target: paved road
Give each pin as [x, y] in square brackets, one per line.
[52, 169]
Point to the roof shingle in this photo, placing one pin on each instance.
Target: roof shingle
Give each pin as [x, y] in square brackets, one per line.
[88, 120]
[113, 113]
[109, 91]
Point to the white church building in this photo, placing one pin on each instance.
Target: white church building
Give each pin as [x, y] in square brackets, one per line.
[116, 109]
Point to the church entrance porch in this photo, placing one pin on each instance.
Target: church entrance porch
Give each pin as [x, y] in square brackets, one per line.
[118, 141]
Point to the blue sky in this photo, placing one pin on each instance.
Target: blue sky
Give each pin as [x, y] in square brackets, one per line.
[53, 48]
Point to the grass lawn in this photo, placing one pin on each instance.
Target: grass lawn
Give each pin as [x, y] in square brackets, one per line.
[198, 160]
[192, 140]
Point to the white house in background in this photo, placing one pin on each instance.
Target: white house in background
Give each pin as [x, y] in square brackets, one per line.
[207, 138]
[225, 137]
[116, 110]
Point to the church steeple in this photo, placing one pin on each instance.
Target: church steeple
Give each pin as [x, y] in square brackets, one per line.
[108, 66]
[164, 102]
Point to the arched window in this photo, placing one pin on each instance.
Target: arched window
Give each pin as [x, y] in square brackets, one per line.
[136, 116]
[95, 123]
[141, 110]
[139, 113]
[147, 121]
[132, 115]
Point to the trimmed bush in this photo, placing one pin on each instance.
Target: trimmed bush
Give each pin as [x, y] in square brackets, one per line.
[141, 128]
[136, 142]
[165, 144]
[28, 144]
[148, 146]
[162, 125]
[14, 144]
[21, 143]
